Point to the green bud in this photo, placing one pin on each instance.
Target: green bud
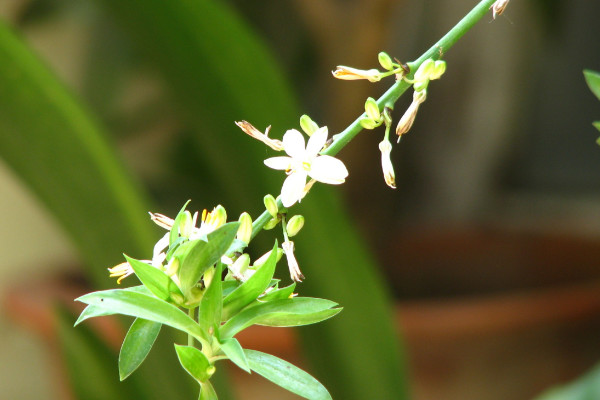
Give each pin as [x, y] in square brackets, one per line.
[372, 109]
[368, 123]
[271, 224]
[244, 232]
[177, 298]
[271, 205]
[421, 85]
[173, 267]
[439, 67]
[240, 265]
[385, 61]
[308, 125]
[424, 70]
[186, 224]
[263, 259]
[211, 370]
[195, 296]
[294, 225]
[219, 215]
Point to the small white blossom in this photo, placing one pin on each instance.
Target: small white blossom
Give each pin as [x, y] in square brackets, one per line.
[304, 161]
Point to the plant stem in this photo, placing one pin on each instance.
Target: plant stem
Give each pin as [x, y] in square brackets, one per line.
[389, 98]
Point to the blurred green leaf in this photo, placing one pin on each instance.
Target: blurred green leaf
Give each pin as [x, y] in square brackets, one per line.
[285, 312]
[286, 375]
[233, 349]
[196, 256]
[194, 362]
[596, 125]
[91, 364]
[593, 81]
[153, 278]
[252, 288]
[58, 149]
[146, 307]
[137, 344]
[585, 388]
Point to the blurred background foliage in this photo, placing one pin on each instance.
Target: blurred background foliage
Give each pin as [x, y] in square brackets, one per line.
[490, 244]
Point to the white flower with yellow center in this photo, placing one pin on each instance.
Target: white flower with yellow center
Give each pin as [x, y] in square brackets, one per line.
[304, 161]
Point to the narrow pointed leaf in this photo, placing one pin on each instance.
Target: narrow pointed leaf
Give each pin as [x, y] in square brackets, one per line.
[291, 312]
[94, 311]
[174, 233]
[286, 375]
[154, 279]
[593, 81]
[146, 307]
[596, 125]
[252, 288]
[233, 349]
[197, 256]
[194, 362]
[137, 344]
[211, 305]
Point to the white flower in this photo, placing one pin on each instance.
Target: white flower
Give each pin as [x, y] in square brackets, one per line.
[304, 161]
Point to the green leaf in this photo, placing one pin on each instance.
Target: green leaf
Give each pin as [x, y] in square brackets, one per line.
[593, 81]
[284, 312]
[197, 256]
[58, 149]
[283, 293]
[252, 288]
[207, 391]
[194, 362]
[146, 307]
[93, 311]
[211, 305]
[233, 350]
[137, 344]
[154, 279]
[286, 375]
[596, 125]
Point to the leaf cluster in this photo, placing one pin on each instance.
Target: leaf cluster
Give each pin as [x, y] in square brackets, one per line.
[218, 308]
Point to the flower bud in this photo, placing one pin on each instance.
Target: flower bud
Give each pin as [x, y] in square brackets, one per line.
[294, 225]
[271, 224]
[368, 123]
[348, 73]
[386, 163]
[271, 205]
[439, 67]
[385, 61]
[410, 114]
[372, 109]
[498, 7]
[308, 125]
[263, 259]
[172, 267]
[244, 232]
[186, 224]
[419, 86]
[424, 70]
[240, 266]
[295, 274]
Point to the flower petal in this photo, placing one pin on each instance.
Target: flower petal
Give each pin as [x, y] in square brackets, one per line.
[328, 169]
[293, 188]
[294, 144]
[316, 142]
[282, 162]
